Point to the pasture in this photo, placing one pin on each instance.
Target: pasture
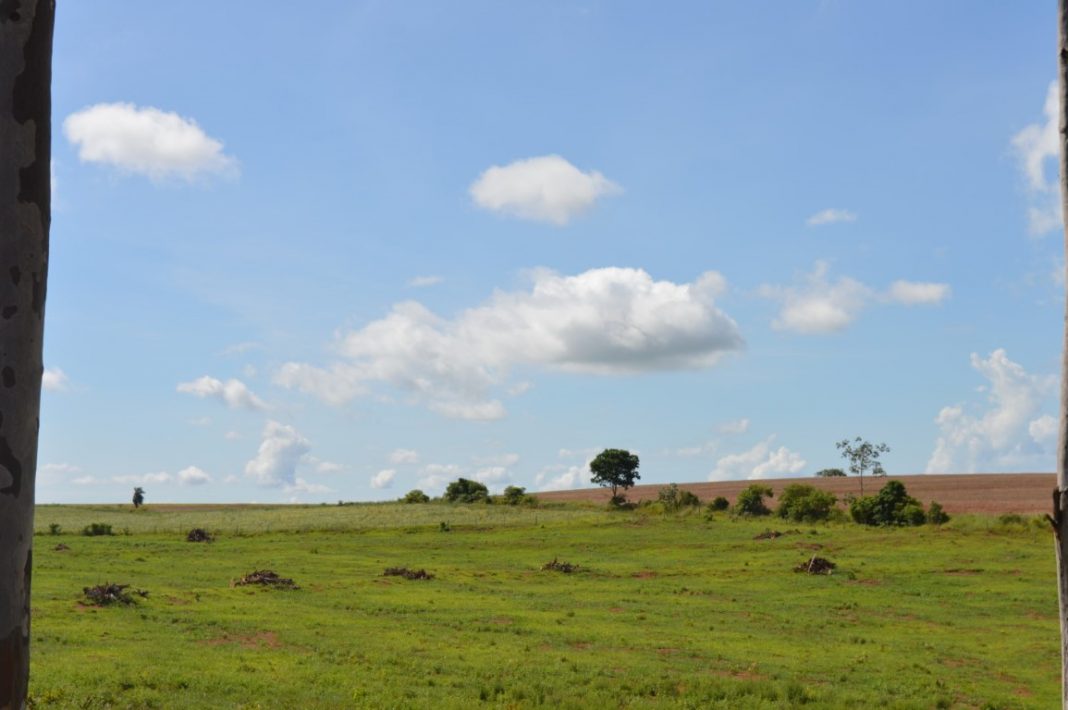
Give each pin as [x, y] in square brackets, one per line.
[665, 611]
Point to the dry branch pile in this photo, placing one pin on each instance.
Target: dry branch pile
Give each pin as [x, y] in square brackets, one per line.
[407, 573]
[105, 594]
[199, 535]
[266, 578]
[768, 535]
[557, 566]
[816, 565]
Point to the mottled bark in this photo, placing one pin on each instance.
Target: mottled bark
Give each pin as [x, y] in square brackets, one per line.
[25, 207]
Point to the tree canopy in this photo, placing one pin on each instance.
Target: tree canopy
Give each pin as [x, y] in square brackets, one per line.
[615, 469]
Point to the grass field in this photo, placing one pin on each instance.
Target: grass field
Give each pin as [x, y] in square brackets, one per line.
[667, 611]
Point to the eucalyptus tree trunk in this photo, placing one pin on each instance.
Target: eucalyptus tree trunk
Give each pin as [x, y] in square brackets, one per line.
[1060, 495]
[25, 214]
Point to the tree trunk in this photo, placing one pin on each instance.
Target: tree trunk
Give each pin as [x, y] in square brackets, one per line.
[25, 214]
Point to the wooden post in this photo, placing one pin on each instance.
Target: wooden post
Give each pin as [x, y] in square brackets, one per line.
[25, 215]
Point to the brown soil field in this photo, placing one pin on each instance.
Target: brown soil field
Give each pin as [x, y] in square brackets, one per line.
[985, 493]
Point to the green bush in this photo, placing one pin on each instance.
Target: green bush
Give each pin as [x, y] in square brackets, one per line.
[719, 503]
[55, 529]
[516, 495]
[830, 473]
[674, 498]
[463, 490]
[935, 514]
[415, 496]
[803, 503]
[892, 505]
[751, 500]
[97, 529]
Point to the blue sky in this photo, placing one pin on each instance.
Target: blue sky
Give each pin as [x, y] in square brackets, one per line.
[346, 253]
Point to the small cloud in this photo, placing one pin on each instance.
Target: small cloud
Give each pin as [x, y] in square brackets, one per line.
[86, 481]
[144, 478]
[542, 189]
[819, 305]
[281, 449]
[560, 478]
[831, 216]
[761, 461]
[1038, 148]
[328, 467]
[59, 468]
[300, 485]
[424, 281]
[383, 479]
[914, 293]
[193, 476]
[232, 436]
[54, 380]
[402, 456]
[146, 141]
[233, 393]
[738, 426]
[240, 348]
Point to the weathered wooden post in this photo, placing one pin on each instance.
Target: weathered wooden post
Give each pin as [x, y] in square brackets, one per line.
[25, 214]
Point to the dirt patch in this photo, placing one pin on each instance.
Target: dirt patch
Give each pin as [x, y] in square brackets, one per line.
[616, 609]
[558, 566]
[816, 565]
[199, 535]
[61, 547]
[768, 535]
[265, 578]
[963, 572]
[107, 594]
[407, 573]
[644, 574]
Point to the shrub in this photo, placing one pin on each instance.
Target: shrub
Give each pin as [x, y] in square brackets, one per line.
[674, 498]
[935, 514]
[751, 500]
[890, 506]
[802, 503]
[830, 473]
[515, 495]
[55, 528]
[1012, 519]
[719, 503]
[463, 490]
[415, 496]
[97, 529]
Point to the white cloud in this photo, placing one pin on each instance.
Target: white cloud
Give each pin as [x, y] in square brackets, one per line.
[280, 451]
[603, 321]
[761, 461]
[561, 478]
[1037, 148]
[509, 459]
[436, 476]
[424, 281]
[383, 479]
[1009, 433]
[144, 479]
[492, 474]
[328, 467]
[299, 485]
[232, 436]
[146, 141]
[543, 189]
[54, 380]
[402, 456]
[193, 476]
[57, 468]
[819, 305]
[86, 481]
[233, 393]
[738, 426]
[831, 216]
[913, 293]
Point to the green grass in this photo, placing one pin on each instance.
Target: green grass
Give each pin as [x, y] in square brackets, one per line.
[667, 612]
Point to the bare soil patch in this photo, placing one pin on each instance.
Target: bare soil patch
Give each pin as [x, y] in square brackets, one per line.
[265, 578]
[407, 573]
[983, 493]
[558, 566]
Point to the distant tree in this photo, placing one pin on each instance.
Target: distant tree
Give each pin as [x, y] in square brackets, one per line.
[615, 469]
[892, 505]
[514, 495]
[463, 490]
[863, 456]
[751, 500]
[719, 503]
[830, 473]
[936, 515]
[674, 498]
[138, 497]
[802, 503]
[415, 496]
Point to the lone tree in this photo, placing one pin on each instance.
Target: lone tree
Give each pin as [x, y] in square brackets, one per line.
[25, 215]
[615, 469]
[830, 473]
[463, 490]
[138, 497]
[862, 456]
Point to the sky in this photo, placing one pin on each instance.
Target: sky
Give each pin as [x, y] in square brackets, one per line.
[306, 256]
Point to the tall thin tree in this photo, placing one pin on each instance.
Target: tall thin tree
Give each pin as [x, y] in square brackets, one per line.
[25, 215]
